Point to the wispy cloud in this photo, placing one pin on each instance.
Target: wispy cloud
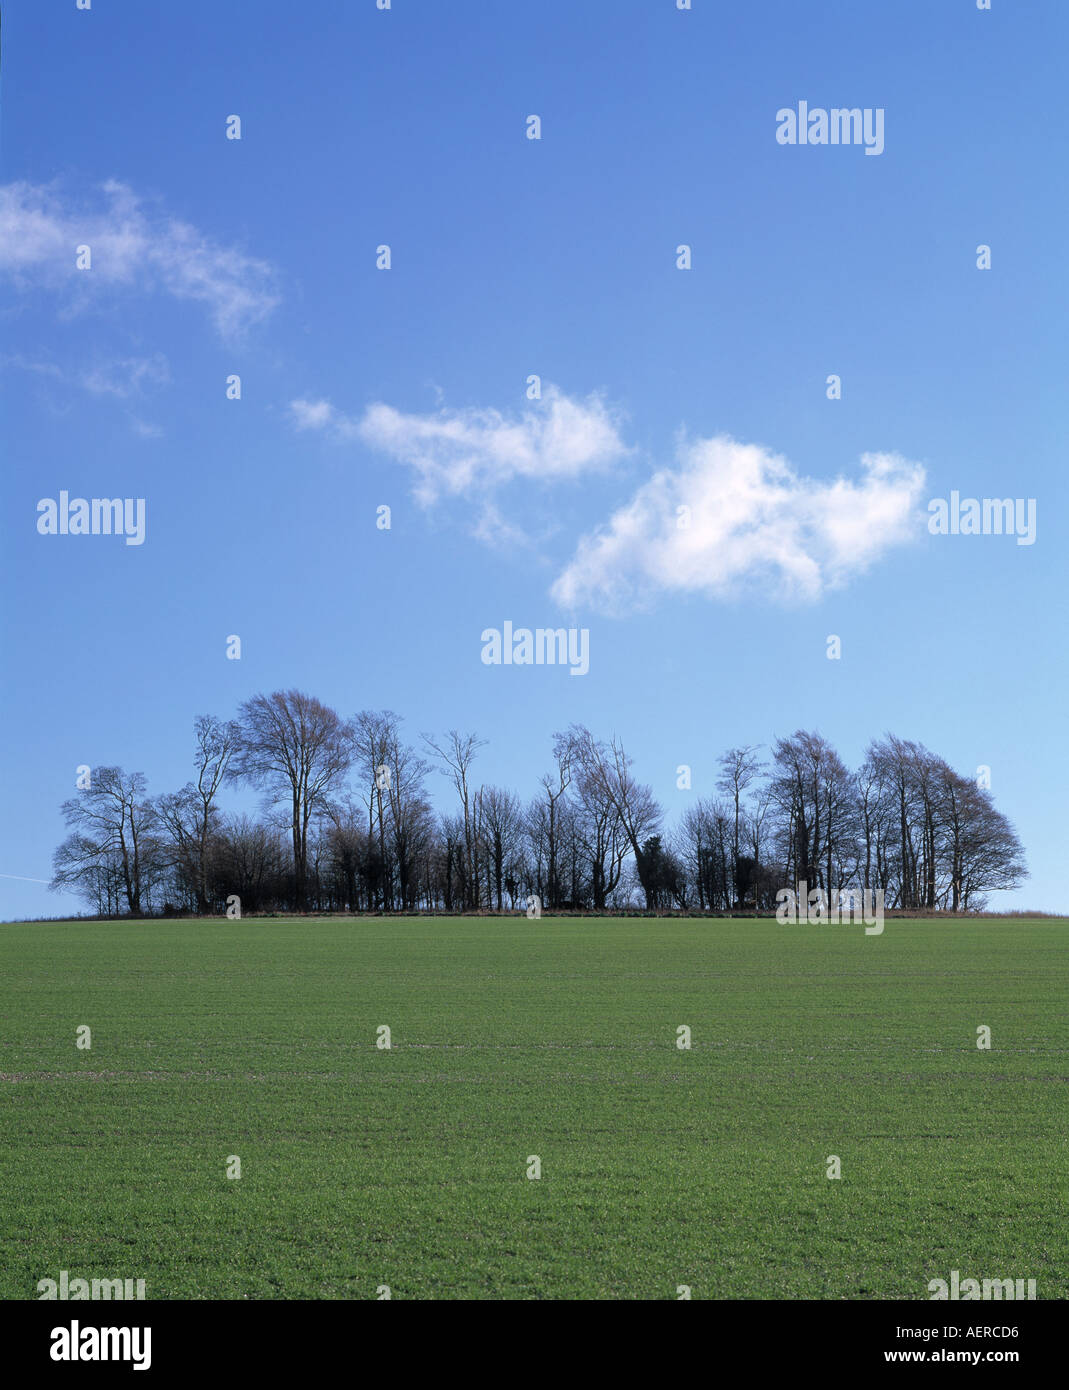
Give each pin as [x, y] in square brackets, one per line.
[121, 378]
[321, 415]
[125, 376]
[29, 364]
[132, 248]
[145, 429]
[735, 518]
[464, 452]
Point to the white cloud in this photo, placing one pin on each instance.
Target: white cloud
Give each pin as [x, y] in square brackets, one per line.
[144, 429]
[494, 529]
[120, 377]
[314, 415]
[130, 248]
[753, 525]
[29, 364]
[461, 452]
[125, 376]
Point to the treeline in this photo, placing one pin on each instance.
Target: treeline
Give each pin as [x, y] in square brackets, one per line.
[346, 825]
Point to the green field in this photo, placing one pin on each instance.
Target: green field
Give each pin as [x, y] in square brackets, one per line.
[660, 1167]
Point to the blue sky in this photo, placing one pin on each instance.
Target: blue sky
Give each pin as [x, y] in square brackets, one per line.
[511, 257]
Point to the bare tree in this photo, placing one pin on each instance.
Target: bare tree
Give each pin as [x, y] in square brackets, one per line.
[810, 786]
[600, 834]
[410, 816]
[981, 846]
[704, 847]
[502, 824]
[456, 756]
[249, 862]
[190, 815]
[738, 768]
[607, 769]
[373, 737]
[114, 823]
[545, 824]
[895, 763]
[299, 750]
[757, 821]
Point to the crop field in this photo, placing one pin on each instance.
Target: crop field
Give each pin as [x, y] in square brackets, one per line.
[407, 1167]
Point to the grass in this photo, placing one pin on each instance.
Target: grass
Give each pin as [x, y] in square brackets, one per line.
[362, 1167]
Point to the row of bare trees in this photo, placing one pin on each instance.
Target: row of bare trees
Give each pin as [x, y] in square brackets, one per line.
[346, 824]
